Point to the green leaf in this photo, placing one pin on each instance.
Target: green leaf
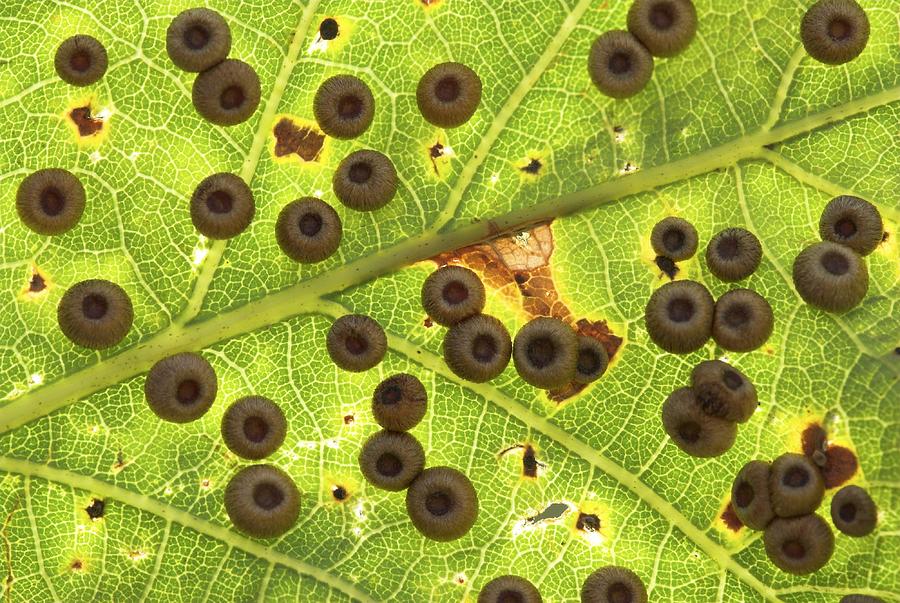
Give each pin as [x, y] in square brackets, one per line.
[741, 129]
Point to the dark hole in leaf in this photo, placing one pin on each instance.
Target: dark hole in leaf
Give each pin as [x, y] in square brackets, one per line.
[587, 522]
[328, 29]
[667, 266]
[96, 508]
[533, 167]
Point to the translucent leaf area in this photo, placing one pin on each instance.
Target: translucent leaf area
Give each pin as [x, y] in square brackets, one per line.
[742, 129]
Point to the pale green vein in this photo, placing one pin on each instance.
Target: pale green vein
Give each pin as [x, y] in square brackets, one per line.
[820, 183]
[37, 539]
[297, 299]
[541, 424]
[183, 518]
[784, 85]
[504, 115]
[248, 168]
[157, 564]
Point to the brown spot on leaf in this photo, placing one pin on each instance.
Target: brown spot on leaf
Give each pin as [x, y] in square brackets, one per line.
[339, 493]
[529, 462]
[349, 419]
[37, 283]
[521, 262]
[730, 519]
[428, 323]
[77, 565]
[839, 463]
[667, 266]
[292, 139]
[435, 152]
[532, 167]
[587, 522]
[87, 124]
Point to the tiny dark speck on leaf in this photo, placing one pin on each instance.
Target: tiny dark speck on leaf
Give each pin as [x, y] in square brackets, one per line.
[428, 323]
[897, 351]
[667, 266]
[533, 167]
[618, 129]
[76, 565]
[339, 492]
[587, 522]
[86, 124]
[348, 419]
[529, 463]
[328, 29]
[521, 278]
[37, 283]
[95, 509]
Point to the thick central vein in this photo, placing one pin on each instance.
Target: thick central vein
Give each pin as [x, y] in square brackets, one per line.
[169, 513]
[299, 298]
[248, 168]
[622, 475]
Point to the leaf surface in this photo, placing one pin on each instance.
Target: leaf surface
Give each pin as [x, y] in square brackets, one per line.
[742, 129]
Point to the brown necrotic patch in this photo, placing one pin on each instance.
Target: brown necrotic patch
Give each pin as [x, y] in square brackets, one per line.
[587, 522]
[836, 463]
[76, 565]
[730, 518]
[520, 262]
[294, 139]
[87, 124]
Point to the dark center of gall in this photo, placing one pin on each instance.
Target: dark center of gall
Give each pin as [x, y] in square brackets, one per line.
[310, 224]
[196, 37]
[737, 316]
[187, 391]
[339, 493]
[484, 348]
[510, 596]
[847, 512]
[620, 63]
[455, 292]
[732, 379]
[232, 97]
[219, 202]
[94, 306]
[360, 172]
[541, 351]
[349, 106]
[388, 464]
[391, 394]
[673, 240]
[662, 15]
[839, 29]
[680, 310]
[52, 201]
[267, 495]
[588, 361]
[728, 248]
[793, 549]
[439, 503]
[255, 429]
[835, 263]
[689, 431]
[619, 592]
[743, 495]
[795, 477]
[845, 228]
[447, 89]
[356, 344]
[80, 61]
